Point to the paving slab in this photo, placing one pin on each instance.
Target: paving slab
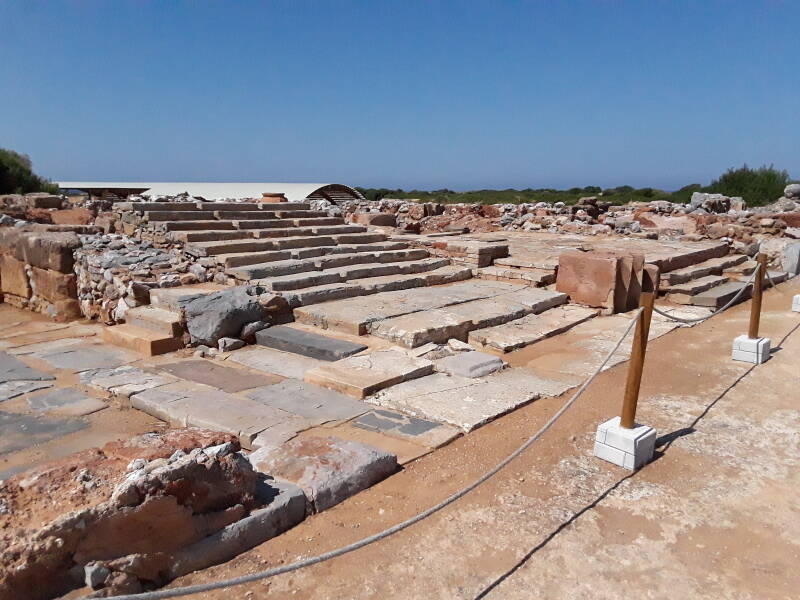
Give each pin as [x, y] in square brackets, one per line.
[66, 401]
[227, 379]
[469, 364]
[85, 358]
[316, 404]
[13, 369]
[306, 343]
[20, 431]
[360, 376]
[413, 429]
[463, 402]
[530, 329]
[327, 469]
[12, 389]
[276, 362]
[39, 349]
[123, 381]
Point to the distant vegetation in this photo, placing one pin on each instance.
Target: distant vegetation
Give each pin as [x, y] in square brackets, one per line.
[17, 176]
[756, 186]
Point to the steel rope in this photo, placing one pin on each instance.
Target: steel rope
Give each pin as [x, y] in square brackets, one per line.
[207, 587]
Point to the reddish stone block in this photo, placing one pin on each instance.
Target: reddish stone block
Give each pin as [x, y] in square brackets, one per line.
[612, 282]
[54, 286]
[13, 279]
[376, 219]
[73, 216]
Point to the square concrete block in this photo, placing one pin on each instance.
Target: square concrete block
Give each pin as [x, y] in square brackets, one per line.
[628, 448]
[751, 350]
[796, 303]
[470, 364]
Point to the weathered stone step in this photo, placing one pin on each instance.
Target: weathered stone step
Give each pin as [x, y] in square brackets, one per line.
[153, 318]
[241, 215]
[213, 248]
[712, 266]
[175, 298]
[155, 206]
[360, 238]
[719, 296]
[314, 345]
[538, 277]
[179, 215]
[353, 315]
[313, 230]
[240, 259]
[530, 329]
[297, 214]
[682, 293]
[143, 341]
[248, 206]
[195, 225]
[278, 268]
[342, 274]
[442, 324]
[209, 236]
[375, 285]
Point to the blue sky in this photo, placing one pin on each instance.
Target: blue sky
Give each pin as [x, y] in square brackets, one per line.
[404, 93]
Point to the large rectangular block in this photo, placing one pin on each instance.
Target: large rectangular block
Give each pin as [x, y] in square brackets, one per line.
[54, 286]
[13, 279]
[306, 343]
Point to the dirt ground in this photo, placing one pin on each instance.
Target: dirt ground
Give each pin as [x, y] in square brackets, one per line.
[715, 515]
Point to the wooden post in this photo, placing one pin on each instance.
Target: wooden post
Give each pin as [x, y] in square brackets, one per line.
[758, 288]
[636, 364]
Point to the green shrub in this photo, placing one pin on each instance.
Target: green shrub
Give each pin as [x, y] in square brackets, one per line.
[16, 176]
[756, 186]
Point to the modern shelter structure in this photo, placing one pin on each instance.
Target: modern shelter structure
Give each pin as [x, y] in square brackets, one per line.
[294, 192]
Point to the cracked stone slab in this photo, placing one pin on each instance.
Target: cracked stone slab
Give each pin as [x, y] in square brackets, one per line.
[12, 389]
[276, 362]
[464, 402]
[67, 402]
[360, 376]
[123, 381]
[316, 404]
[227, 379]
[20, 431]
[413, 429]
[13, 369]
[307, 343]
[85, 358]
[39, 349]
[327, 469]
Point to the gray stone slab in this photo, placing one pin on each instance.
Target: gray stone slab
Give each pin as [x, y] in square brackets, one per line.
[316, 404]
[66, 401]
[13, 369]
[12, 389]
[19, 431]
[280, 363]
[307, 343]
[227, 379]
[123, 381]
[83, 359]
[327, 469]
[469, 364]
[414, 429]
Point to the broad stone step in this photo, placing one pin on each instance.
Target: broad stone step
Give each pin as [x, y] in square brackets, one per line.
[261, 224]
[179, 215]
[156, 206]
[318, 221]
[312, 230]
[248, 206]
[306, 343]
[361, 376]
[176, 298]
[323, 293]
[442, 324]
[682, 293]
[742, 270]
[195, 225]
[209, 236]
[719, 296]
[713, 266]
[156, 319]
[212, 248]
[240, 215]
[143, 341]
[353, 315]
[239, 259]
[530, 329]
[360, 238]
[538, 277]
[776, 277]
[299, 214]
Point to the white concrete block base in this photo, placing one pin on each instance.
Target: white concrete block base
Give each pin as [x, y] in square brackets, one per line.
[752, 350]
[628, 448]
[796, 303]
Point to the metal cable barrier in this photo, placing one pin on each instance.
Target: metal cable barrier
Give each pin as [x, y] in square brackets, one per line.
[207, 587]
[730, 303]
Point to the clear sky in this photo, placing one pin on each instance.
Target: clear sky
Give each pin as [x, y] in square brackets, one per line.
[406, 93]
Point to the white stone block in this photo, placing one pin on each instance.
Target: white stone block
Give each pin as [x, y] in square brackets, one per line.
[752, 350]
[796, 303]
[628, 448]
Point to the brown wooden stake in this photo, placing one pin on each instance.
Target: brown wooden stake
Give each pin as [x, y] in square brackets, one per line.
[636, 364]
[758, 288]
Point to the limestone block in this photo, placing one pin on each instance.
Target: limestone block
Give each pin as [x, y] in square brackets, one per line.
[628, 448]
[470, 364]
[377, 219]
[50, 250]
[751, 350]
[604, 280]
[796, 303]
[54, 286]
[13, 279]
[73, 216]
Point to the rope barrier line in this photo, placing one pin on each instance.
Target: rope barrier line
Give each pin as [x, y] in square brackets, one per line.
[207, 587]
[730, 303]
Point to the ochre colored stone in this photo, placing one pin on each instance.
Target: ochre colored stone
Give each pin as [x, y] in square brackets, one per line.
[73, 216]
[13, 279]
[54, 286]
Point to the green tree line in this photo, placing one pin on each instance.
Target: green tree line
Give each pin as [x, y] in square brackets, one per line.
[17, 176]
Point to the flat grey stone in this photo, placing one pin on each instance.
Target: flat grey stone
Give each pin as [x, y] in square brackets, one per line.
[306, 343]
[66, 401]
[12, 389]
[469, 364]
[123, 381]
[318, 405]
[276, 362]
[228, 379]
[12, 369]
[19, 431]
[327, 469]
[420, 431]
[83, 359]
